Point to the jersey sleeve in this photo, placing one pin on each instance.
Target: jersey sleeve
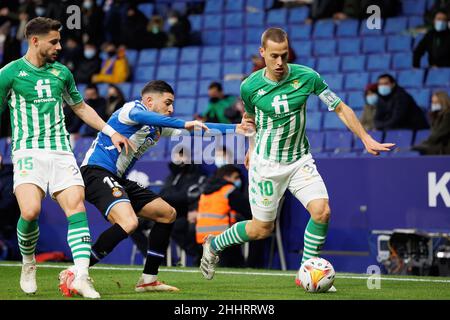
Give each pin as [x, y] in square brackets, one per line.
[71, 95]
[245, 96]
[5, 86]
[320, 88]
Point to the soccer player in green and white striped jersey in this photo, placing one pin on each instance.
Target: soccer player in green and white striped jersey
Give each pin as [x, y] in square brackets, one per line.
[35, 87]
[275, 97]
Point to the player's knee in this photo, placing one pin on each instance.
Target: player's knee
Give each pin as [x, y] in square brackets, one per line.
[129, 225]
[30, 213]
[172, 216]
[323, 214]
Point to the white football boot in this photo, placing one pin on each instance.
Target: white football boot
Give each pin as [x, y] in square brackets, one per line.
[28, 278]
[83, 286]
[209, 259]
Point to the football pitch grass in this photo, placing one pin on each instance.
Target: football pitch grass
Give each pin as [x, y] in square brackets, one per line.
[117, 282]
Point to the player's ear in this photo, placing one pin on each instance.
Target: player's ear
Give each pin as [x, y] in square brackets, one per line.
[261, 51]
[34, 41]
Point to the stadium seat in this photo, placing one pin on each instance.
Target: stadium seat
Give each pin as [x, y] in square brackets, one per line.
[338, 142]
[324, 47]
[402, 60]
[349, 46]
[276, 17]
[81, 87]
[212, 21]
[259, 5]
[167, 72]
[202, 105]
[196, 21]
[413, 7]
[298, 15]
[323, 29]
[399, 43]
[189, 54]
[379, 62]
[402, 138]
[212, 38]
[422, 97]
[309, 62]
[203, 87]
[365, 31]
[82, 145]
[214, 6]
[232, 87]
[233, 53]
[300, 32]
[254, 19]
[103, 88]
[23, 47]
[415, 21]
[328, 65]
[302, 48]
[184, 106]
[374, 44]
[334, 81]
[136, 90]
[148, 56]
[234, 20]
[411, 78]
[233, 36]
[168, 55]
[353, 63]
[253, 35]
[3, 144]
[438, 77]
[211, 54]
[234, 5]
[146, 9]
[233, 68]
[316, 141]
[251, 49]
[312, 104]
[125, 87]
[132, 56]
[314, 121]
[210, 71]
[356, 81]
[188, 71]
[395, 25]
[347, 28]
[187, 89]
[421, 135]
[359, 146]
[332, 122]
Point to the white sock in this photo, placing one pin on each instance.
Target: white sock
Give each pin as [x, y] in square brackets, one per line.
[28, 258]
[149, 278]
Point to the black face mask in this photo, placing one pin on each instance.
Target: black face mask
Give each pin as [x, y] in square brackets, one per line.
[176, 168]
[214, 100]
[113, 98]
[111, 53]
[91, 102]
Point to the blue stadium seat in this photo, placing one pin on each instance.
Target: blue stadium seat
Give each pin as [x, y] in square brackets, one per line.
[314, 121]
[354, 64]
[23, 47]
[203, 87]
[3, 143]
[374, 45]
[234, 36]
[309, 62]
[338, 142]
[210, 71]
[232, 87]
[168, 55]
[255, 19]
[438, 77]
[402, 60]
[202, 104]
[323, 29]
[233, 53]
[422, 97]
[411, 78]
[332, 122]
[359, 146]
[399, 43]
[259, 5]
[184, 106]
[233, 68]
[356, 81]
[356, 100]
[302, 48]
[148, 56]
[214, 6]
[298, 15]
[324, 47]
[212, 38]
[413, 7]
[316, 141]
[234, 20]
[125, 87]
[132, 56]
[365, 31]
[312, 104]
[379, 62]
[253, 35]
[196, 21]
[136, 90]
[211, 54]
[349, 46]
[81, 87]
[300, 32]
[146, 9]
[188, 71]
[189, 54]
[347, 28]
[187, 89]
[234, 5]
[328, 64]
[415, 21]
[102, 89]
[335, 81]
[167, 72]
[402, 138]
[276, 17]
[212, 21]
[251, 49]
[395, 25]
[421, 135]
[82, 145]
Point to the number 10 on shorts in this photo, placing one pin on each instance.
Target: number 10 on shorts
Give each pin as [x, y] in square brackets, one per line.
[266, 188]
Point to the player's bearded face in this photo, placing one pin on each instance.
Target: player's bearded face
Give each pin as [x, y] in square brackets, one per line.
[276, 54]
[49, 46]
[162, 103]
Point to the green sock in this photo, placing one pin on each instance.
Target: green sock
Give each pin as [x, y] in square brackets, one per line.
[236, 234]
[79, 240]
[315, 235]
[28, 235]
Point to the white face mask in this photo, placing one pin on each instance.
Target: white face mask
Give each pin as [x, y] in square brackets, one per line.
[172, 21]
[436, 107]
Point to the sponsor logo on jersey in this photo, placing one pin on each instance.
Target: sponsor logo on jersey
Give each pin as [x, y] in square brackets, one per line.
[296, 84]
[43, 88]
[22, 74]
[116, 192]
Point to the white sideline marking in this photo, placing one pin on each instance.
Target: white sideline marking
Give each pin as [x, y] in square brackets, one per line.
[343, 276]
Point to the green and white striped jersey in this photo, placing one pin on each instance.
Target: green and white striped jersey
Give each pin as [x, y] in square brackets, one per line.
[35, 98]
[280, 110]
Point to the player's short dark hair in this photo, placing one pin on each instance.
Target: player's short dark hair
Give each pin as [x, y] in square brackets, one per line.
[227, 170]
[41, 26]
[157, 86]
[277, 35]
[387, 75]
[216, 85]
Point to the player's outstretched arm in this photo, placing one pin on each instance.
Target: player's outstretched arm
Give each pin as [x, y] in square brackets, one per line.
[348, 117]
[90, 117]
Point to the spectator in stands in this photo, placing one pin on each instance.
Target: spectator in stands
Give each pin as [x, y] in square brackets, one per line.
[439, 5]
[71, 53]
[114, 100]
[98, 103]
[11, 46]
[439, 140]
[436, 43]
[92, 22]
[9, 208]
[155, 37]
[115, 68]
[180, 30]
[396, 109]
[133, 26]
[218, 103]
[113, 10]
[89, 64]
[221, 204]
[368, 115]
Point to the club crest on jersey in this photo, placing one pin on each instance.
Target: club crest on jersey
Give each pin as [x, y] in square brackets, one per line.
[55, 72]
[295, 84]
[116, 192]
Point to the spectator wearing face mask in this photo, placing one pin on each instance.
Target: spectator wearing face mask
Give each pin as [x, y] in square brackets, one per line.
[368, 115]
[89, 64]
[98, 103]
[180, 30]
[155, 37]
[436, 43]
[218, 103]
[439, 140]
[115, 68]
[133, 26]
[114, 100]
[71, 53]
[396, 109]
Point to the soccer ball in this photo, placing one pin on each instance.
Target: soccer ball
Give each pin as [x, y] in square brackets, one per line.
[315, 275]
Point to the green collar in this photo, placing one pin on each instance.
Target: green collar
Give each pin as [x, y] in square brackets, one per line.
[273, 82]
[28, 63]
